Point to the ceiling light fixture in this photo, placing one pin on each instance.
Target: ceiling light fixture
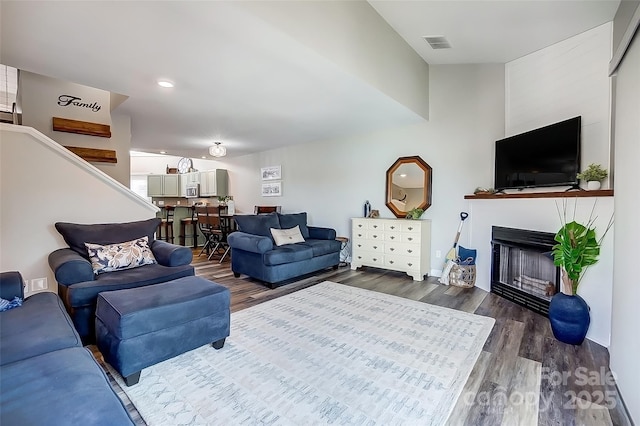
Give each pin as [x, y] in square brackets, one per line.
[163, 152]
[165, 83]
[217, 150]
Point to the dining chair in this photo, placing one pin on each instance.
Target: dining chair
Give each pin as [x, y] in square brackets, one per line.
[215, 230]
[266, 209]
[209, 227]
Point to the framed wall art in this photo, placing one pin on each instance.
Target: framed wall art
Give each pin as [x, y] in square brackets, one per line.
[271, 173]
[273, 189]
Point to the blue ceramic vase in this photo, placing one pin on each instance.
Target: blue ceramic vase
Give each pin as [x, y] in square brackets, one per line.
[569, 317]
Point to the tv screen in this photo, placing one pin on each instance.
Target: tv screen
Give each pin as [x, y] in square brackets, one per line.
[548, 156]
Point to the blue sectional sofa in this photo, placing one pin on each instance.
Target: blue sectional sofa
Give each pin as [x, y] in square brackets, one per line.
[255, 253]
[46, 376]
[78, 285]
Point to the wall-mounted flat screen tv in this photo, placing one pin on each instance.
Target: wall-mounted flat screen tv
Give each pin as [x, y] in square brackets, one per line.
[548, 156]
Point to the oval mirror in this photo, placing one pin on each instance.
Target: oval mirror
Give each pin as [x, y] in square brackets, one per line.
[408, 185]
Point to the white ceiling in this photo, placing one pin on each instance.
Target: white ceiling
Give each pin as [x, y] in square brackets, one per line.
[244, 82]
[484, 31]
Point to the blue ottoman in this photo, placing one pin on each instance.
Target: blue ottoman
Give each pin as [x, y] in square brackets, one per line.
[140, 327]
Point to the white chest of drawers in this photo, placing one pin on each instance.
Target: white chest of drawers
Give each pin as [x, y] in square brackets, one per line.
[396, 244]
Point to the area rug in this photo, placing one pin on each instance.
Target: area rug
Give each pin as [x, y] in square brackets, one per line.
[328, 354]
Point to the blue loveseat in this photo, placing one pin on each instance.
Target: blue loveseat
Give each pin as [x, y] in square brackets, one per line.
[46, 376]
[78, 286]
[254, 252]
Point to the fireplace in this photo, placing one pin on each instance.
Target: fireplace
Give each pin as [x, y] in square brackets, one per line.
[522, 268]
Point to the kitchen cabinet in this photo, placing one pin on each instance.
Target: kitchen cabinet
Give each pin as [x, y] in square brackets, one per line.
[187, 179]
[396, 244]
[214, 183]
[163, 185]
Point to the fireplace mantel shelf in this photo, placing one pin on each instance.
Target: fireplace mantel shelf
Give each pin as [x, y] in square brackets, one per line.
[559, 194]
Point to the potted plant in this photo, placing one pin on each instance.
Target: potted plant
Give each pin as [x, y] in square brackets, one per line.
[593, 175]
[414, 213]
[577, 248]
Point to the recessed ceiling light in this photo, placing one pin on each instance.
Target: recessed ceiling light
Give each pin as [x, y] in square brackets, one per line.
[403, 175]
[204, 156]
[165, 83]
[163, 152]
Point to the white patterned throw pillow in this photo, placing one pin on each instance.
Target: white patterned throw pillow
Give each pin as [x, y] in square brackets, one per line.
[114, 257]
[287, 236]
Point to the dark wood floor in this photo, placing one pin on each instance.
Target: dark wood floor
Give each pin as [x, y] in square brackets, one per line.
[524, 376]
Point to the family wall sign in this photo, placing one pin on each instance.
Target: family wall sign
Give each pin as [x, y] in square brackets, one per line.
[70, 100]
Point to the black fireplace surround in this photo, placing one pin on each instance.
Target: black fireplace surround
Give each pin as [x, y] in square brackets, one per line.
[522, 268]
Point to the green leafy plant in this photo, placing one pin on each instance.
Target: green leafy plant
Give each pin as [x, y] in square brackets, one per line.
[414, 213]
[577, 248]
[594, 172]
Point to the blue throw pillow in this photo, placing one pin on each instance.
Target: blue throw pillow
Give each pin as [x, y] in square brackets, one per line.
[258, 224]
[5, 304]
[288, 221]
[75, 235]
[467, 256]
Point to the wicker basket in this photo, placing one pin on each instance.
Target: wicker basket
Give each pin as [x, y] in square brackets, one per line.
[463, 276]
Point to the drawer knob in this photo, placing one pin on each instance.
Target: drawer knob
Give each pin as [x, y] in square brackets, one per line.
[409, 251]
[391, 249]
[410, 228]
[375, 247]
[360, 226]
[359, 257]
[375, 236]
[392, 237]
[410, 264]
[374, 259]
[359, 245]
[359, 235]
[410, 239]
[375, 226]
[391, 262]
[393, 227]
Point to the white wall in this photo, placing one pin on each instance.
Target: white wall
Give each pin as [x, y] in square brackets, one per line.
[625, 344]
[562, 81]
[39, 101]
[332, 179]
[541, 214]
[385, 60]
[40, 184]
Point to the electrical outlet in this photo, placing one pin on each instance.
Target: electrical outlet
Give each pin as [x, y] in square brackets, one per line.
[438, 254]
[38, 284]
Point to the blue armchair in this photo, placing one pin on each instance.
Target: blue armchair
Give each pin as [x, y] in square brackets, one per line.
[254, 252]
[78, 285]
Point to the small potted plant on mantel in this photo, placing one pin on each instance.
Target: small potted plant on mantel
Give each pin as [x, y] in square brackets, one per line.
[577, 248]
[594, 174]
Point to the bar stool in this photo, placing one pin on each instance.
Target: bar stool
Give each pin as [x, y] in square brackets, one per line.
[167, 224]
[187, 222]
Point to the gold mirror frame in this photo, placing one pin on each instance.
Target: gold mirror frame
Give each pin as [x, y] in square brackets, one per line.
[425, 202]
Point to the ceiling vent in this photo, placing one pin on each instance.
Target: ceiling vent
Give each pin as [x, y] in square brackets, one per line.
[437, 42]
